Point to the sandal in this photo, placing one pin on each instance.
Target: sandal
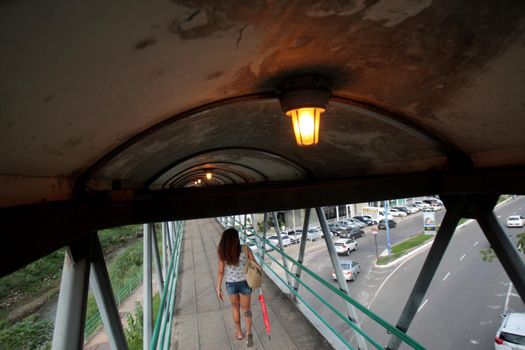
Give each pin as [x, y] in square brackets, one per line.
[249, 341]
[239, 338]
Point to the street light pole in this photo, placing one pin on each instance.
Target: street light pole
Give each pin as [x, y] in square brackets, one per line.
[387, 225]
[374, 233]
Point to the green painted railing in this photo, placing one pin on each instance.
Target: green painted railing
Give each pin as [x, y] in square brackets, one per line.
[163, 324]
[342, 296]
[94, 321]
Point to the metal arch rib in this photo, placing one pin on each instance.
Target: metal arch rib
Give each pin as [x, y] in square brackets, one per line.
[180, 161]
[188, 177]
[202, 164]
[457, 158]
[84, 177]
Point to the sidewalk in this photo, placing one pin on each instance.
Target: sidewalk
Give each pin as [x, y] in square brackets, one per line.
[203, 322]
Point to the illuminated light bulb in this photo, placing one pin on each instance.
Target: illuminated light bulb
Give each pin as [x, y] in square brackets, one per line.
[306, 123]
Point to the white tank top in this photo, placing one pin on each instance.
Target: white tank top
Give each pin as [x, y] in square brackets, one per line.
[235, 273]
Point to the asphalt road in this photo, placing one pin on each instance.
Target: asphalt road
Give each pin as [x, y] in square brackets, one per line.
[462, 308]
[466, 298]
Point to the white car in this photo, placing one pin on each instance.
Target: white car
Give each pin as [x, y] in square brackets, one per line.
[314, 234]
[345, 246]
[275, 240]
[511, 334]
[398, 213]
[515, 221]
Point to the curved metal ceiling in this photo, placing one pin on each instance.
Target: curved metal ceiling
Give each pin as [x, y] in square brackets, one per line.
[106, 107]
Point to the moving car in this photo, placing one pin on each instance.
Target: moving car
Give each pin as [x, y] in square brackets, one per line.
[382, 224]
[350, 269]
[515, 221]
[511, 334]
[345, 246]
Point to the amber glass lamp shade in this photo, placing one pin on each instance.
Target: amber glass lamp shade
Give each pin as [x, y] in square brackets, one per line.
[305, 123]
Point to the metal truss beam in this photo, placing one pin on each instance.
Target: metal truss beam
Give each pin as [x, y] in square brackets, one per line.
[443, 237]
[482, 208]
[341, 279]
[85, 215]
[101, 286]
[72, 300]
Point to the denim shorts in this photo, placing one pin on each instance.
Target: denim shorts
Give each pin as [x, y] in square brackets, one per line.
[241, 287]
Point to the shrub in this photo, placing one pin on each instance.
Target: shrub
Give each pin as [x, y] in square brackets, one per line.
[28, 334]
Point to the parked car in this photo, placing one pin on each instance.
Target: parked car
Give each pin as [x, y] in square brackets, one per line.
[275, 240]
[382, 224]
[345, 246]
[374, 221]
[313, 234]
[353, 233]
[252, 244]
[295, 235]
[365, 219]
[359, 223]
[414, 207]
[350, 269]
[405, 209]
[347, 224]
[421, 204]
[515, 221]
[511, 333]
[336, 229]
[398, 213]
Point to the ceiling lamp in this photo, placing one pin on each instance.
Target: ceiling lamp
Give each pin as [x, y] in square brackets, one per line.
[304, 99]
[208, 176]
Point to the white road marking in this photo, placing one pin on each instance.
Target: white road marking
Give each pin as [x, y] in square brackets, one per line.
[494, 307]
[483, 323]
[448, 274]
[370, 256]
[475, 243]
[419, 309]
[507, 299]
[474, 341]
[462, 257]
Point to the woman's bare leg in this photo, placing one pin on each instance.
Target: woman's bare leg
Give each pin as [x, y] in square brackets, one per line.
[234, 299]
[245, 301]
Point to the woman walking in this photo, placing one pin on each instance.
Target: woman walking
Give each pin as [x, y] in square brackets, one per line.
[232, 258]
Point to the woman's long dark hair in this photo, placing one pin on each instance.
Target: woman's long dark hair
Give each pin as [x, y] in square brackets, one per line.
[229, 247]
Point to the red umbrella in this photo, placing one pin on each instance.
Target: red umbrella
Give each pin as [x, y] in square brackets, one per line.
[265, 313]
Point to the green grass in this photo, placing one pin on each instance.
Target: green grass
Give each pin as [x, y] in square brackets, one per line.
[503, 197]
[40, 280]
[402, 248]
[462, 221]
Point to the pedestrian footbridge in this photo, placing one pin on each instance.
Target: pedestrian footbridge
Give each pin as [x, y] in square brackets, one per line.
[204, 322]
[116, 113]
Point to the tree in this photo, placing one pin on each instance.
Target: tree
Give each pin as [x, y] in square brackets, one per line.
[488, 254]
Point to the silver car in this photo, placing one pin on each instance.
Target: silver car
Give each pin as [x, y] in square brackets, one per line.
[350, 269]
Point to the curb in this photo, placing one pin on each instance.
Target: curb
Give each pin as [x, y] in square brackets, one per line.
[408, 255]
[429, 243]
